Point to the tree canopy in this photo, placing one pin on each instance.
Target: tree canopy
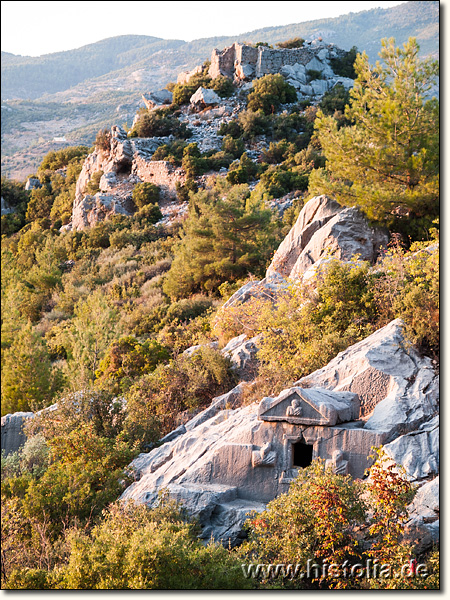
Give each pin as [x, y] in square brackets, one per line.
[387, 160]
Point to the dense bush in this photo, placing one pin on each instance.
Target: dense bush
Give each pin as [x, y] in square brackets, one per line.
[296, 42]
[145, 194]
[159, 122]
[269, 92]
[344, 66]
[184, 384]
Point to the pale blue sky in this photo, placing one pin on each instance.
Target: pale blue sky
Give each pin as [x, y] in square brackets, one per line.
[36, 28]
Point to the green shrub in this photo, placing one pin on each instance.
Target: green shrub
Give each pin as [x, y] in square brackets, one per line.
[145, 193]
[136, 548]
[233, 146]
[244, 172]
[159, 122]
[57, 159]
[253, 124]
[345, 66]
[269, 92]
[127, 358]
[303, 332]
[296, 42]
[172, 152]
[313, 74]
[232, 128]
[93, 187]
[184, 384]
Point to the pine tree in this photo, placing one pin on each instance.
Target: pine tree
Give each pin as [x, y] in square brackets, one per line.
[225, 237]
[387, 161]
[28, 379]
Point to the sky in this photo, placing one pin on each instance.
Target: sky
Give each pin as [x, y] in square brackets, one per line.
[36, 28]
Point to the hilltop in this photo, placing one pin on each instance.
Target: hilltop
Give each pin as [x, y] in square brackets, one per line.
[100, 84]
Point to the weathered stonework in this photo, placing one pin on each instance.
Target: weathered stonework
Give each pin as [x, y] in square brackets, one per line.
[160, 172]
[241, 61]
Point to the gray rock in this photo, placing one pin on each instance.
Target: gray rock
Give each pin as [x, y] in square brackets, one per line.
[194, 349]
[417, 451]
[423, 525]
[242, 353]
[32, 183]
[346, 235]
[315, 64]
[204, 97]
[5, 209]
[264, 289]
[13, 437]
[398, 389]
[319, 86]
[314, 215]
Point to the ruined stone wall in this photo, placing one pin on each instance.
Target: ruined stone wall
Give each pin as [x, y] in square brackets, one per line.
[222, 62]
[243, 61]
[161, 173]
[271, 60]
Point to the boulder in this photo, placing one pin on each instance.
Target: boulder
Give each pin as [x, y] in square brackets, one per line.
[158, 98]
[423, 525]
[346, 235]
[417, 451]
[319, 86]
[13, 436]
[32, 183]
[264, 289]
[316, 213]
[204, 97]
[242, 353]
[323, 229]
[398, 389]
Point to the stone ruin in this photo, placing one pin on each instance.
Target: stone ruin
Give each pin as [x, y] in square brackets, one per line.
[241, 61]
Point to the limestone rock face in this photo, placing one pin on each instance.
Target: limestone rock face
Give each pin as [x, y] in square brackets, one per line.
[13, 437]
[125, 163]
[324, 228]
[230, 459]
[316, 213]
[423, 525]
[398, 389]
[417, 451]
[243, 352]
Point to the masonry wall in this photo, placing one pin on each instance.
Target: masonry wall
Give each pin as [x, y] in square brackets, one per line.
[161, 173]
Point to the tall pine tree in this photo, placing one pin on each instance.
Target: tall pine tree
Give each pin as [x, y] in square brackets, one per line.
[225, 237]
[387, 160]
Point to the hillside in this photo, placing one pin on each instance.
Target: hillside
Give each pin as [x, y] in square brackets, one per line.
[100, 84]
[31, 78]
[216, 321]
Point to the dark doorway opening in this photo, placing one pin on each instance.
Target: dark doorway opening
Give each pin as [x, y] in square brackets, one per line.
[301, 455]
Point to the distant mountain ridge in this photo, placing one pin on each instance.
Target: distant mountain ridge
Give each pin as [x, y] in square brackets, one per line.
[158, 61]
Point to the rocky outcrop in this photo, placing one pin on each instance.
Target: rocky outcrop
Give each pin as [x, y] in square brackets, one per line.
[417, 451]
[323, 229]
[397, 388]
[125, 163]
[242, 353]
[157, 99]
[32, 183]
[423, 526]
[13, 436]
